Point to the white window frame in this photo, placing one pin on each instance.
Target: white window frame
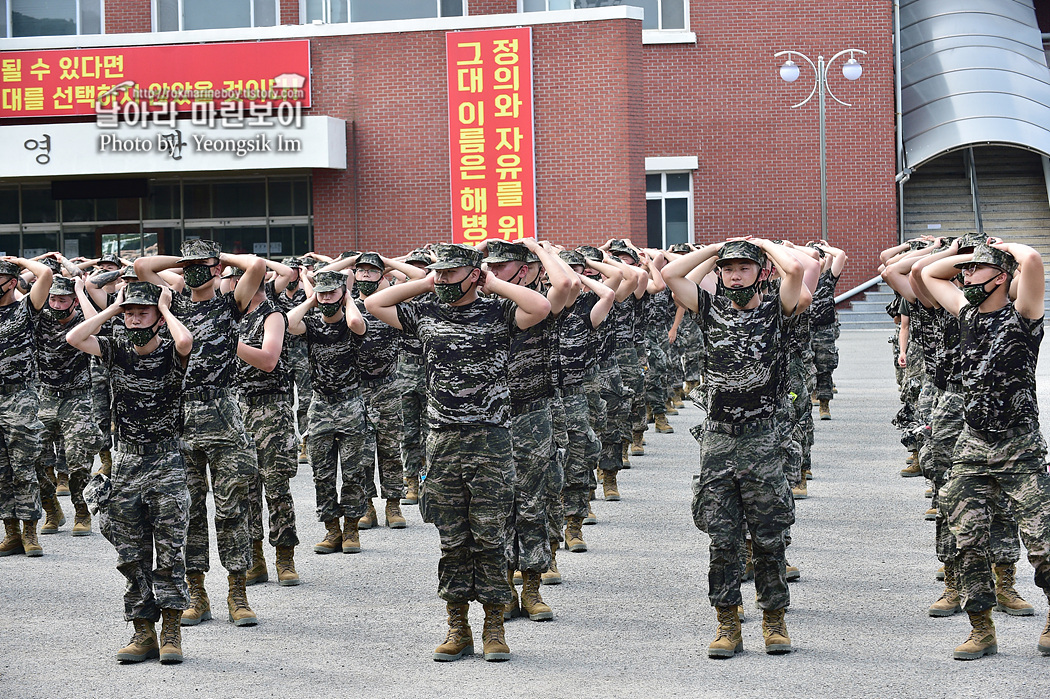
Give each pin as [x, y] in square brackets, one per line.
[671, 166]
[649, 36]
[101, 19]
[326, 11]
[251, 16]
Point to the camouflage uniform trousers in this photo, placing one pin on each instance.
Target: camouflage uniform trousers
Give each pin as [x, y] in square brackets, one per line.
[69, 424]
[658, 375]
[52, 461]
[532, 445]
[690, 346]
[614, 422]
[299, 363]
[800, 413]
[633, 379]
[413, 413]
[102, 401]
[213, 436]
[825, 358]
[556, 473]
[268, 420]
[675, 372]
[742, 483]
[947, 422]
[981, 471]
[895, 343]
[385, 431]
[20, 430]
[148, 513]
[468, 491]
[336, 439]
[923, 410]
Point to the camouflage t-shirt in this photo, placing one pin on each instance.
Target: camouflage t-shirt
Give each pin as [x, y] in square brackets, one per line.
[659, 310]
[746, 357]
[823, 304]
[576, 355]
[286, 304]
[999, 353]
[17, 362]
[529, 376]
[251, 380]
[925, 328]
[639, 319]
[60, 365]
[379, 347]
[465, 349]
[333, 350]
[214, 325]
[623, 320]
[147, 390]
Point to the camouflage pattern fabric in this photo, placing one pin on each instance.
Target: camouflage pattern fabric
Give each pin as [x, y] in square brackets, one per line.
[742, 481]
[532, 440]
[269, 423]
[336, 437]
[68, 420]
[381, 454]
[214, 326]
[17, 360]
[101, 401]
[299, 365]
[690, 346]
[615, 420]
[148, 513]
[633, 378]
[20, 430]
[412, 378]
[981, 471]
[825, 359]
[469, 491]
[658, 375]
[213, 436]
[552, 501]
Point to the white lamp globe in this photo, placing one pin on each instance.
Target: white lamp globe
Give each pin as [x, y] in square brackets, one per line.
[789, 71]
[852, 70]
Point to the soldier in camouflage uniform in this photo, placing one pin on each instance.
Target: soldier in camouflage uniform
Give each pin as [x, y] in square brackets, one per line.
[336, 424]
[148, 507]
[824, 325]
[413, 400]
[286, 299]
[65, 409]
[20, 428]
[213, 434]
[741, 455]
[467, 491]
[1000, 448]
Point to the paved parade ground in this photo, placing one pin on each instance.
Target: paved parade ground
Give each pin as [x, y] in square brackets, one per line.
[631, 619]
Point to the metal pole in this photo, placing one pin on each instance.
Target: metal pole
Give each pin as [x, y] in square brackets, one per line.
[821, 70]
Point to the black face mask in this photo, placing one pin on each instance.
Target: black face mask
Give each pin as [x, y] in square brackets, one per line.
[330, 309]
[8, 286]
[140, 337]
[366, 288]
[197, 276]
[293, 285]
[59, 313]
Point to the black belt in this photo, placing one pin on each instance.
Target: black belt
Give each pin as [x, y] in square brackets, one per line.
[8, 388]
[265, 398]
[411, 358]
[999, 435]
[530, 406]
[59, 393]
[204, 395]
[337, 398]
[740, 428]
[149, 448]
[375, 383]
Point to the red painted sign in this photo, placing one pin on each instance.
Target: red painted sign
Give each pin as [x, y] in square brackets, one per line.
[71, 81]
[491, 139]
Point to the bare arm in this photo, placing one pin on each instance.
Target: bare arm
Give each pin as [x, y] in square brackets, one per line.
[83, 336]
[182, 337]
[354, 320]
[284, 274]
[937, 278]
[42, 286]
[383, 304]
[902, 339]
[266, 357]
[1031, 282]
[148, 269]
[604, 304]
[410, 271]
[558, 275]
[296, 315]
[791, 299]
[676, 272]
[533, 307]
[254, 270]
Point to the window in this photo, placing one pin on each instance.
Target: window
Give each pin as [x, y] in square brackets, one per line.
[177, 15]
[334, 11]
[668, 205]
[49, 17]
[659, 14]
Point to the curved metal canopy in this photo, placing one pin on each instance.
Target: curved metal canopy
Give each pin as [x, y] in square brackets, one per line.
[972, 72]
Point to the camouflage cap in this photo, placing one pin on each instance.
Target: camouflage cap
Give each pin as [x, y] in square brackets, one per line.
[111, 259]
[9, 268]
[680, 248]
[418, 257]
[572, 257]
[590, 252]
[348, 253]
[129, 273]
[141, 294]
[293, 262]
[451, 255]
[199, 249]
[619, 247]
[62, 286]
[329, 281]
[233, 272]
[371, 259]
[53, 264]
[502, 251]
[531, 257]
[741, 250]
[985, 254]
[968, 242]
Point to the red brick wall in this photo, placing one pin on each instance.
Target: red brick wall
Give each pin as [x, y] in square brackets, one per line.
[723, 101]
[491, 7]
[589, 133]
[288, 11]
[127, 16]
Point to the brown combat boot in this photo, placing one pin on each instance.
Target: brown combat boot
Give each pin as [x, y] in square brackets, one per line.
[82, 520]
[493, 635]
[913, 468]
[800, 491]
[774, 630]
[1006, 597]
[333, 538]
[411, 491]
[106, 458]
[257, 572]
[200, 605]
[286, 575]
[669, 408]
[237, 601]
[394, 518]
[930, 515]
[637, 448]
[351, 535]
[728, 639]
[143, 644]
[574, 535]
[950, 603]
[791, 573]
[12, 542]
[825, 410]
[460, 639]
[29, 541]
[512, 609]
[982, 637]
[55, 516]
[662, 425]
[553, 575]
[678, 399]
[531, 601]
[62, 485]
[609, 489]
[591, 518]
[625, 454]
[370, 519]
[170, 636]
[1044, 639]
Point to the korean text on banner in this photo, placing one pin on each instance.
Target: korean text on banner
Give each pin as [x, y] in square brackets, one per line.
[492, 157]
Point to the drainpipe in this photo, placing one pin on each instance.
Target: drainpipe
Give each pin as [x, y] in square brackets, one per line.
[901, 164]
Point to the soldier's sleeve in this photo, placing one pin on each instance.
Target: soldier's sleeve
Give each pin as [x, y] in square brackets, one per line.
[703, 305]
[509, 315]
[105, 346]
[408, 316]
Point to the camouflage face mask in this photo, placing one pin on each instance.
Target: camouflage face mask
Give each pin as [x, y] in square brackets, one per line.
[366, 288]
[59, 313]
[330, 309]
[976, 293]
[140, 337]
[197, 275]
[450, 293]
[741, 296]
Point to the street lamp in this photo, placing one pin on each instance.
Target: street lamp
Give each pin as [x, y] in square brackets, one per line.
[851, 70]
